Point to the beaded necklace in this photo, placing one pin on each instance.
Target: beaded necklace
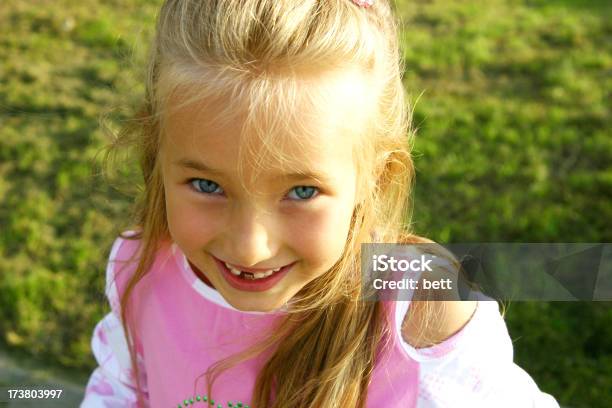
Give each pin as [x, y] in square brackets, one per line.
[205, 399]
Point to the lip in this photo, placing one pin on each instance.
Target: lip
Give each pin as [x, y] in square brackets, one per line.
[256, 285]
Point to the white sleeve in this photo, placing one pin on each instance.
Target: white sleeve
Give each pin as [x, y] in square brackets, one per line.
[474, 367]
[112, 383]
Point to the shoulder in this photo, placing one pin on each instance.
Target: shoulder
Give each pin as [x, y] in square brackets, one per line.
[483, 335]
[428, 323]
[126, 239]
[434, 316]
[121, 255]
[124, 250]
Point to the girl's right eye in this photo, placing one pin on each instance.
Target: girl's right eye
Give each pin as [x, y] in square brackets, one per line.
[205, 186]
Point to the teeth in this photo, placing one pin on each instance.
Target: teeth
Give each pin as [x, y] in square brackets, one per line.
[249, 275]
[233, 270]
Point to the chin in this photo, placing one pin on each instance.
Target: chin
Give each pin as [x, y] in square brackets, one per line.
[255, 305]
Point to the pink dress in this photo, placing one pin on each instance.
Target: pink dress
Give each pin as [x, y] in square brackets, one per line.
[184, 326]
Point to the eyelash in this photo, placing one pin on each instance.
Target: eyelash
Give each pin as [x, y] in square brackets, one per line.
[191, 185]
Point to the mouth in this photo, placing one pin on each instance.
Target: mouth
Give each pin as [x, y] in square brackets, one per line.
[251, 275]
[252, 281]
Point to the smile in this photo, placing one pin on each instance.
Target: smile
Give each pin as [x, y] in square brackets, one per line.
[252, 280]
[251, 275]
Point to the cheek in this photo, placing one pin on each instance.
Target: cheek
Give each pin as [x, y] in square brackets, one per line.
[320, 237]
[191, 225]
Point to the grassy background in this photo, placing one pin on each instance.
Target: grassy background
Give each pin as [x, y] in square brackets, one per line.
[514, 145]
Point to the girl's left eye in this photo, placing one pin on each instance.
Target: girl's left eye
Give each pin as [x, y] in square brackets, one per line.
[304, 192]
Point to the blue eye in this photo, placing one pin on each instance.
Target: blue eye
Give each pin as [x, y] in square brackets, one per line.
[205, 186]
[304, 192]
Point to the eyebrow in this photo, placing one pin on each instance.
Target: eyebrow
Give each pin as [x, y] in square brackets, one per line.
[199, 166]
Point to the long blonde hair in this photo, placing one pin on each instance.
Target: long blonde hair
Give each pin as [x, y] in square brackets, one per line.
[256, 51]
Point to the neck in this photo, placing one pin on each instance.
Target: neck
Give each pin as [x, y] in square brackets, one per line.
[200, 275]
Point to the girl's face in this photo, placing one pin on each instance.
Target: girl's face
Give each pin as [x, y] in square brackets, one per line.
[297, 222]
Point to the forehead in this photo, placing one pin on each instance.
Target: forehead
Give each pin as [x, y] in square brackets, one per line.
[312, 123]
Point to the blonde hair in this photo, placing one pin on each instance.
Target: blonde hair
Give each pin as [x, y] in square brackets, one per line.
[259, 52]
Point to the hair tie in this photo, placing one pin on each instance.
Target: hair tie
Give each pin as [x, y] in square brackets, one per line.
[363, 3]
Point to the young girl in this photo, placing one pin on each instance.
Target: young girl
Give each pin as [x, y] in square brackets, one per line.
[273, 142]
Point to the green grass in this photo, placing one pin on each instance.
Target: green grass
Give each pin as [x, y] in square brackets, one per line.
[513, 145]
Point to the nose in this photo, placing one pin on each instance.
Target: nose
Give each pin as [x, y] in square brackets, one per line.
[251, 237]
